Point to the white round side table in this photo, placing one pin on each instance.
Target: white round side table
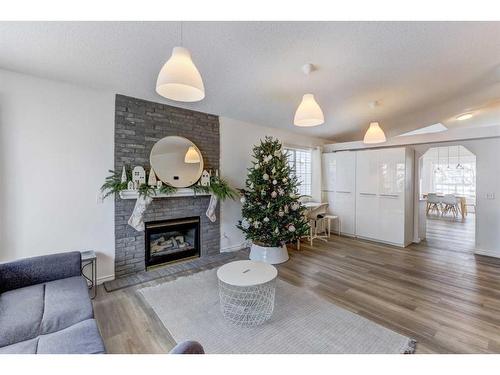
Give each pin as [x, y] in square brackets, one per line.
[246, 291]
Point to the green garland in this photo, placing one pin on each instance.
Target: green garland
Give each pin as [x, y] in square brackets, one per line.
[218, 187]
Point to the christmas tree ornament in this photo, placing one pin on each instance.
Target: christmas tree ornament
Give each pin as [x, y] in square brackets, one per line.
[281, 213]
[291, 228]
[285, 180]
[273, 170]
[275, 182]
[266, 220]
[265, 176]
[243, 200]
[274, 194]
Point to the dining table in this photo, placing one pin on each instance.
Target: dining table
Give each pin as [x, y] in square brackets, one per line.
[462, 203]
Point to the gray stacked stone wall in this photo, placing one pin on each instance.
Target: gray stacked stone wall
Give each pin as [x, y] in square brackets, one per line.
[139, 124]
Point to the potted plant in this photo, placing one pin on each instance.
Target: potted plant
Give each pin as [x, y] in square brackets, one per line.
[272, 213]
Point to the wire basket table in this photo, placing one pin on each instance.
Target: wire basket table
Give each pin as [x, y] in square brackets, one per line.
[246, 291]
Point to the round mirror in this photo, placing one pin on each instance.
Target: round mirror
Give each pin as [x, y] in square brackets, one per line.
[176, 161]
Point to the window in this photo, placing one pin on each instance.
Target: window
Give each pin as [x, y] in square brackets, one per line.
[300, 162]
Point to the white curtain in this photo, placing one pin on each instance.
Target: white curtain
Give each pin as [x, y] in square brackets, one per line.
[316, 174]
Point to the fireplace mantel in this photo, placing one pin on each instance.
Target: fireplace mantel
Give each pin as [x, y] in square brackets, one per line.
[185, 192]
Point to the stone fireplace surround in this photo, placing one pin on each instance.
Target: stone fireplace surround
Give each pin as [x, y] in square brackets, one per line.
[139, 124]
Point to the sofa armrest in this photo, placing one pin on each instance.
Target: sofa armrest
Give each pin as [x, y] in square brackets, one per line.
[188, 347]
[36, 270]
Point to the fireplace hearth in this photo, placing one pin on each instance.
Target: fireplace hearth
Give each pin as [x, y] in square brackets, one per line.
[171, 240]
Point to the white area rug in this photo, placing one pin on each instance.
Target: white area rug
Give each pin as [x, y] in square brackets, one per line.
[301, 323]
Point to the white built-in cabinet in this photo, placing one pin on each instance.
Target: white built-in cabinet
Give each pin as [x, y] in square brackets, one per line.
[372, 193]
[339, 188]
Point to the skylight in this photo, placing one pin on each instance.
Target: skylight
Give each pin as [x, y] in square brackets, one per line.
[436, 128]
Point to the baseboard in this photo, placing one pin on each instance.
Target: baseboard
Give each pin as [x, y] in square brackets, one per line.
[486, 253]
[240, 246]
[103, 279]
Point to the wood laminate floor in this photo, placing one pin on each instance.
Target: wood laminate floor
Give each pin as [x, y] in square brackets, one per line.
[437, 292]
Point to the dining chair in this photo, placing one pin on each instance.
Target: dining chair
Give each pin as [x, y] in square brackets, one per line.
[450, 203]
[433, 203]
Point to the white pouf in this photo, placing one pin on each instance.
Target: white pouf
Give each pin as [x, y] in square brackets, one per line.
[246, 291]
[271, 255]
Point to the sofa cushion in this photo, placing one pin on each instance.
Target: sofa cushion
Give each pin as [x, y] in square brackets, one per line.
[21, 312]
[66, 302]
[81, 338]
[23, 347]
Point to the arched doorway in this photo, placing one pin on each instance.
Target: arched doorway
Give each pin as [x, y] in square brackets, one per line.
[447, 187]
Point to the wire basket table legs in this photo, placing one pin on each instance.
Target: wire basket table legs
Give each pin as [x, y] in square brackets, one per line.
[247, 305]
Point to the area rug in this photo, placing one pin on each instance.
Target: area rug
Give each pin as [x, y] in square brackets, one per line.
[302, 322]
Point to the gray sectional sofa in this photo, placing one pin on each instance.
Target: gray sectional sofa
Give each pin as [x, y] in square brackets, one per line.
[45, 307]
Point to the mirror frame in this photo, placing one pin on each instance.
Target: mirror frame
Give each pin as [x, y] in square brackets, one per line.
[200, 172]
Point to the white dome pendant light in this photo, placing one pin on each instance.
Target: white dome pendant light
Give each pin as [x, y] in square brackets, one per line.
[308, 112]
[179, 79]
[374, 134]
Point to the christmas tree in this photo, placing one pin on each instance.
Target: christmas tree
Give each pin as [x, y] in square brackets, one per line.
[272, 213]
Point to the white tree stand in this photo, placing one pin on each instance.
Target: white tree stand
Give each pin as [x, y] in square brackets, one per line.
[271, 255]
[246, 291]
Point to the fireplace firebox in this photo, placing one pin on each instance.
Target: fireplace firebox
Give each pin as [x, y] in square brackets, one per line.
[171, 240]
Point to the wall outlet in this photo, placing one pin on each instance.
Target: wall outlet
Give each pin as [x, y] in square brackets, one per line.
[490, 195]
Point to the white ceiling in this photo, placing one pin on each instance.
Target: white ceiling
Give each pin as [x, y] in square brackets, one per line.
[421, 72]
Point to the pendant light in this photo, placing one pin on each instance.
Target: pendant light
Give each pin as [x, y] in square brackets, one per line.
[448, 167]
[308, 112]
[374, 134]
[192, 156]
[438, 169]
[179, 79]
[459, 166]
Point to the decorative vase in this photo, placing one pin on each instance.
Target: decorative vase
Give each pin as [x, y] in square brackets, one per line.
[271, 255]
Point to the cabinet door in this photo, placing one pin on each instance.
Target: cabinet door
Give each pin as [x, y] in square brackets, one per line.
[344, 207]
[367, 172]
[328, 171]
[345, 177]
[391, 171]
[391, 218]
[367, 215]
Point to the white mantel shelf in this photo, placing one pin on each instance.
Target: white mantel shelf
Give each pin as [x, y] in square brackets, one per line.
[185, 192]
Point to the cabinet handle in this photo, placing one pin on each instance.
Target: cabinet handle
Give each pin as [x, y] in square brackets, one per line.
[390, 195]
[344, 192]
[373, 194]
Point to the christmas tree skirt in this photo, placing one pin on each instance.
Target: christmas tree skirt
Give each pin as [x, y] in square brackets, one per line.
[302, 322]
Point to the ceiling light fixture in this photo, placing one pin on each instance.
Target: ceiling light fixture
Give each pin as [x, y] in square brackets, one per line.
[308, 112]
[459, 165]
[179, 79]
[374, 134]
[464, 116]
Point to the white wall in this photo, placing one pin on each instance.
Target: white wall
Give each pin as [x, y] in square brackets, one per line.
[56, 146]
[237, 139]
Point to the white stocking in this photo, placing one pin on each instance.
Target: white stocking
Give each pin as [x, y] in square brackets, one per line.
[211, 208]
[136, 220]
